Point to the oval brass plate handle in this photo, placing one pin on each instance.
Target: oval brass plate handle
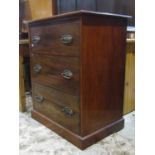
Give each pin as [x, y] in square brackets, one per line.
[67, 74]
[68, 111]
[67, 39]
[37, 68]
[39, 99]
[35, 40]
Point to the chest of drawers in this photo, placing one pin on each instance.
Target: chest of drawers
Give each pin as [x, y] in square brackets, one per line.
[77, 73]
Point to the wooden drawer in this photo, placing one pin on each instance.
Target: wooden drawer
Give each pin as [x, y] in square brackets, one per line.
[51, 71]
[56, 39]
[58, 106]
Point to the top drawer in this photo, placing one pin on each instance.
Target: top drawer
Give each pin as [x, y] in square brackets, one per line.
[56, 39]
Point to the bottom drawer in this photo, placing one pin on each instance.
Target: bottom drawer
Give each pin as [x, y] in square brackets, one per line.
[58, 106]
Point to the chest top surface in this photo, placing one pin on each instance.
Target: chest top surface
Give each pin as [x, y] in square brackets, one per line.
[78, 14]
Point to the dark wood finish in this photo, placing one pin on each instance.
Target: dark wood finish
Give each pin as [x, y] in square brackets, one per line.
[74, 14]
[53, 104]
[24, 50]
[51, 42]
[57, 96]
[102, 63]
[50, 74]
[95, 90]
[80, 142]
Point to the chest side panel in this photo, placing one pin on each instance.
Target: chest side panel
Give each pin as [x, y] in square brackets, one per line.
[102, 71]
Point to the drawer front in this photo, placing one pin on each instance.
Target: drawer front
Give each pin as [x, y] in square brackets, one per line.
[59, 72]
[56, 39]
[58, 106]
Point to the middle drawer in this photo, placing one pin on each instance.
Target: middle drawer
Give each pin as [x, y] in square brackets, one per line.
[59, 72]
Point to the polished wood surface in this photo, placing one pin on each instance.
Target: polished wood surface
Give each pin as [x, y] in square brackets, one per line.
[50, 43]
[56, 96]
[102, 71]
[80, 142]
[77, 15]
[52, 67]
[97, 76]
[53, 105]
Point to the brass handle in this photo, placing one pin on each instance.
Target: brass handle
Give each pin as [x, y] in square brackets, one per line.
[39, 99]
[68, 111]
[67, 74]
[37, 68]
[35, 40]
[66, 39]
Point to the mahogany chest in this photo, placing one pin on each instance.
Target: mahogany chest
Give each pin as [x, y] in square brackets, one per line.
[77, 74]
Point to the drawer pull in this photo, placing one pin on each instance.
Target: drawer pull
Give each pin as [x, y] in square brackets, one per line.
[37, 68]
[39, 99]
[67, 39]
[68, 111]
[67, 74]
[35, 39]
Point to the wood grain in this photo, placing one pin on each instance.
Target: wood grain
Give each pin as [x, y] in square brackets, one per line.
[56, 96]
[52, 67]
[102, 71]
[53, 104]
[81, 142]
[51, 43]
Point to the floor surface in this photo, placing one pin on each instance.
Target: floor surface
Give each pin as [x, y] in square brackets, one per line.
[36, 139]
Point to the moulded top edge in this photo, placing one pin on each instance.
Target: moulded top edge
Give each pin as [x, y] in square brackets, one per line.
[76, 13]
